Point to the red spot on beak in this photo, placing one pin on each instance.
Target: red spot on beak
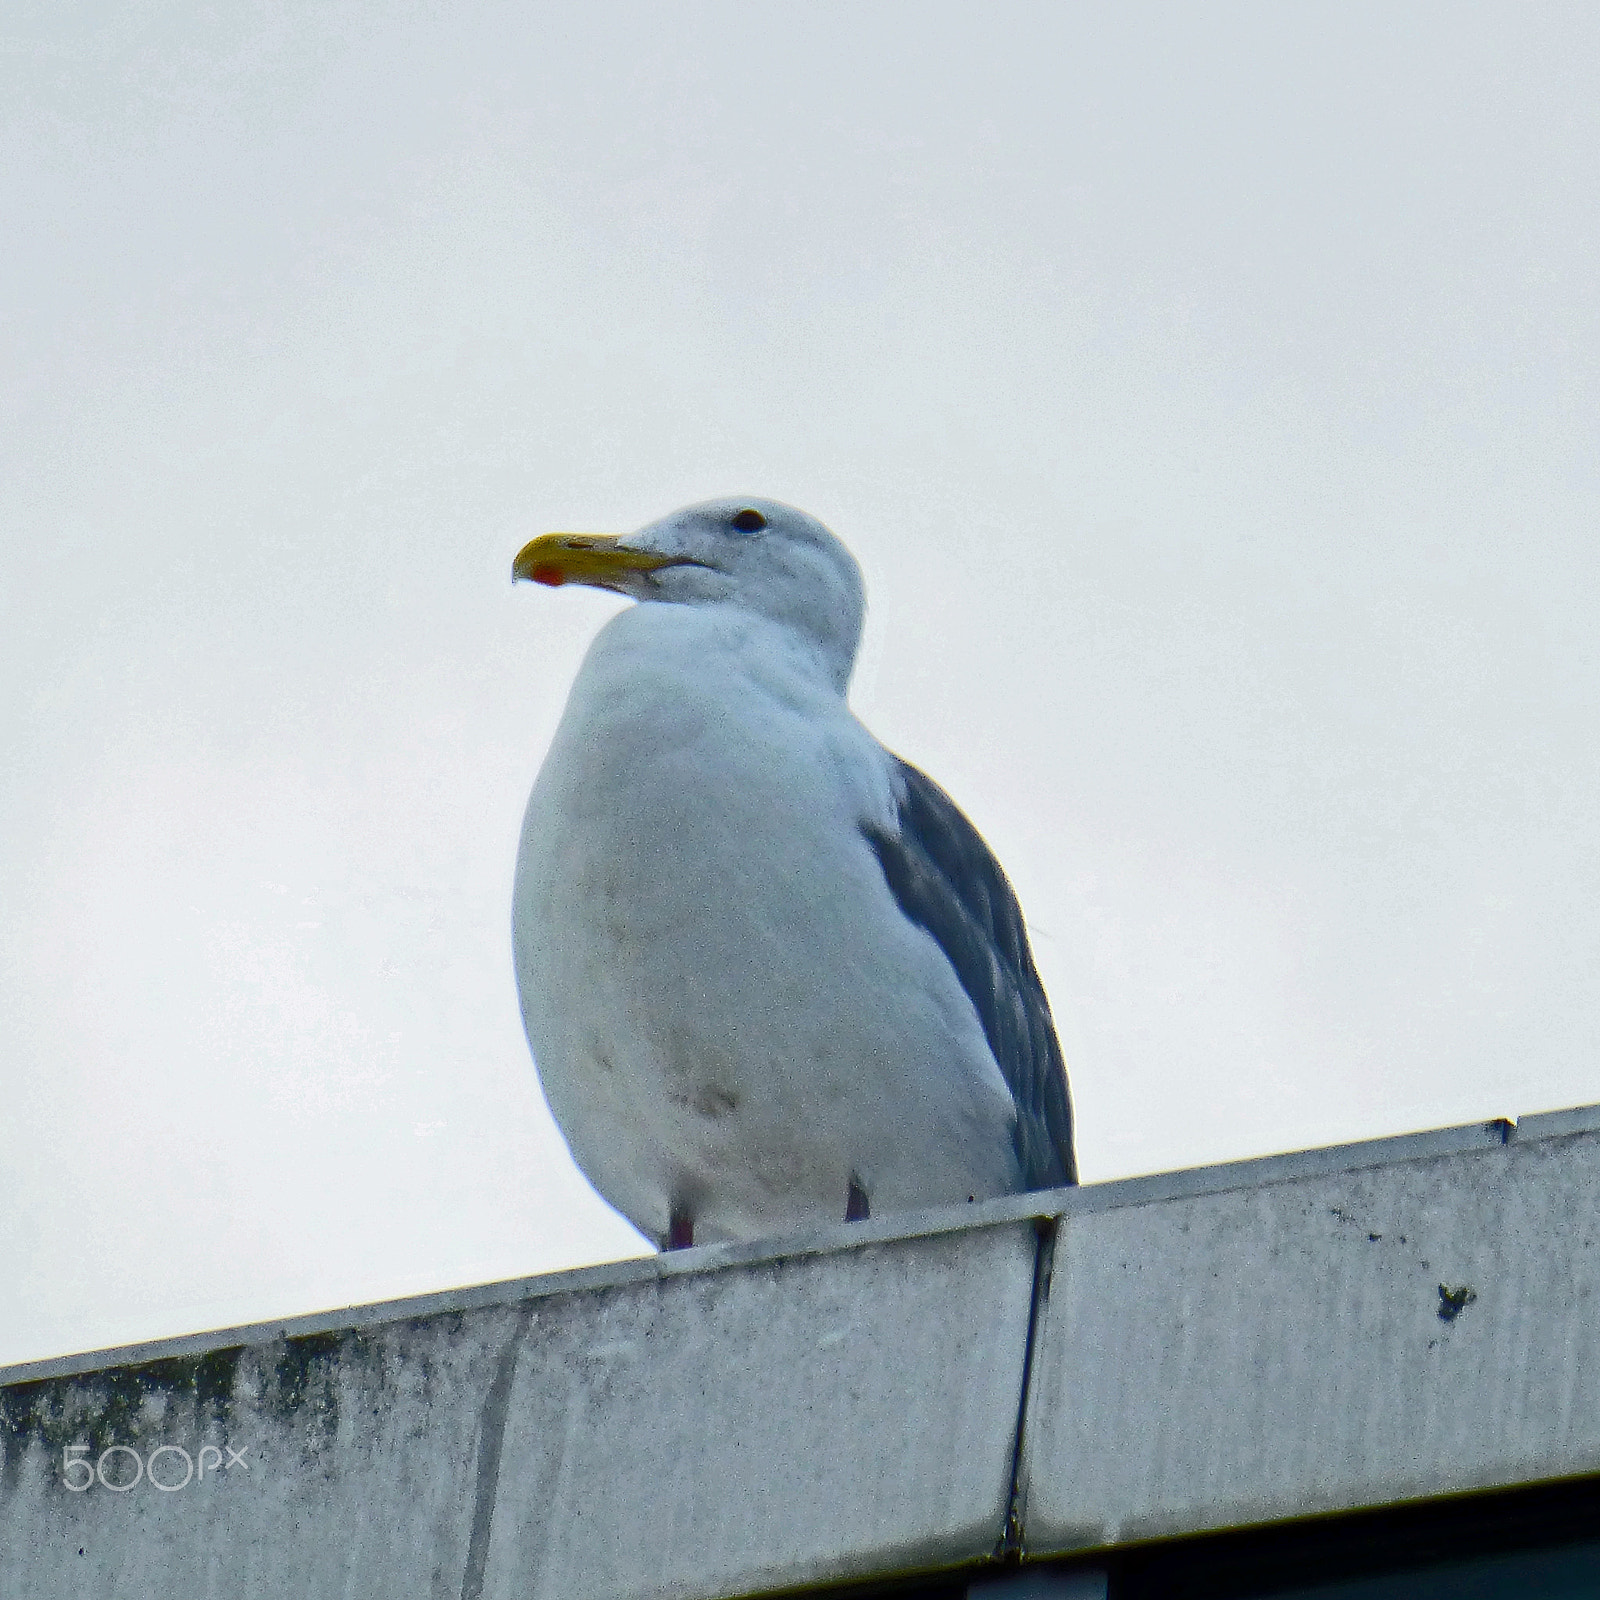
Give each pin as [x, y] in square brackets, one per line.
[553, 576]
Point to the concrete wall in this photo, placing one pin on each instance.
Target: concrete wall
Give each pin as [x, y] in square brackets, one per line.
[662, 1428]
[1322, 1342]
[1235, 1344]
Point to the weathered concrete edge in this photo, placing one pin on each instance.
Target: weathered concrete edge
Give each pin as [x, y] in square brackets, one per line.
[1257, 1172]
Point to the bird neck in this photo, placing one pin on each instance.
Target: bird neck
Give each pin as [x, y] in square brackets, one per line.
[764, 647]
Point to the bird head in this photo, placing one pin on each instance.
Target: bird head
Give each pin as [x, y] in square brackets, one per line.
[758, 555]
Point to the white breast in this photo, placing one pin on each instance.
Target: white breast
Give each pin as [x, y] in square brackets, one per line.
[727, 1008]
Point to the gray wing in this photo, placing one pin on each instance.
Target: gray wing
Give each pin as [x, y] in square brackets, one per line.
[948, 882]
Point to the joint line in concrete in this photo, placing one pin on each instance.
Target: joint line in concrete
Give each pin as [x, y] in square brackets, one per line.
[1046, 1230]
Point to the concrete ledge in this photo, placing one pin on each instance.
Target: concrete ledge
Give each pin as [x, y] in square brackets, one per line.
[826, 1415]
[1317, 1332]
[1344, 1339]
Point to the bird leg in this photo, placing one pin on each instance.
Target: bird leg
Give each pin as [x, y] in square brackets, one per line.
[856, 1208]
[680, 1229]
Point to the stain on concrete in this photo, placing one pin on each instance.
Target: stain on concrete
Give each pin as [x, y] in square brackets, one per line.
[491, 1437]
[297, 1381]
[109, 1407]
[304, 1375]
[1452, 1302]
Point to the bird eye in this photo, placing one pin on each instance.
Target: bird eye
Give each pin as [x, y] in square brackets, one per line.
[749, 520]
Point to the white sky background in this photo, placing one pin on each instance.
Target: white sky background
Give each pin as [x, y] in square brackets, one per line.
[1210, 394]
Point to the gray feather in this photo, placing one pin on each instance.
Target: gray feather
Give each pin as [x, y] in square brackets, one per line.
[947, 881]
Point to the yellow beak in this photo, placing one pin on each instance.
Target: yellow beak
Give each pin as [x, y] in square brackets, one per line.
[592, 558]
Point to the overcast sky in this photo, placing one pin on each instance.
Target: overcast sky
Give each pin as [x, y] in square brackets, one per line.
[1210, 394]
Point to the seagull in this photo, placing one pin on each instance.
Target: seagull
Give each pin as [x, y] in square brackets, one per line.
[770, 975]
